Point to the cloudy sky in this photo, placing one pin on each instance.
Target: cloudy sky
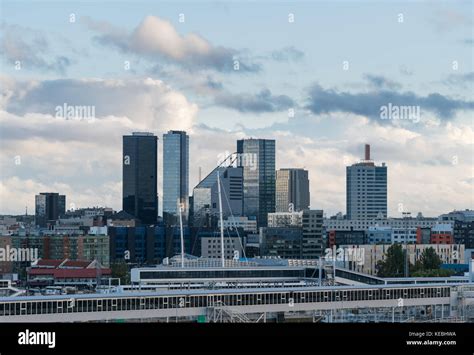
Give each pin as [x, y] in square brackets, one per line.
[313, 75]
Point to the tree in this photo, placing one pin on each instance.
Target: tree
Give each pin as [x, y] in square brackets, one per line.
[430, 260]
[393, 265]
[120, 270]
[429, 265]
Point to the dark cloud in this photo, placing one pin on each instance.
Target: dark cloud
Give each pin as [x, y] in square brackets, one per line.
[368, 104]
[262, 102]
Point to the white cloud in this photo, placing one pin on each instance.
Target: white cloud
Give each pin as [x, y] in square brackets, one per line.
[80, 158]
[83, 159]
[156, 38]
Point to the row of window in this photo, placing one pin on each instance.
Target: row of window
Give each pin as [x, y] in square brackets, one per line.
[142, 303]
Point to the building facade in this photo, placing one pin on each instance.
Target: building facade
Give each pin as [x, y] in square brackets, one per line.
[284, 243]
[292, 190]
[257, 157]
[379, 235]
[211, 245]
[464, 233]
[372, 254]
[285, 219]
[312, 244]
[48, 207]
[364, 224]
[146, 245]
[366, 189]
[233, 222]
[72, 247]
[343, 237]
[206, 196]
[140, 176]
[175, 172]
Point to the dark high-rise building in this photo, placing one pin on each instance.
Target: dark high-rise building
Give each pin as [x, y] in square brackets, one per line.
[312, 244]
[140, 176]
[175, 172]
[463, 232]
[48, 207]
[257, 157]
[292, 188]
[366, 190]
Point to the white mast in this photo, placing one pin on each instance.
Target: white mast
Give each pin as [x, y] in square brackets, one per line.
[220, 216]
[180, 208]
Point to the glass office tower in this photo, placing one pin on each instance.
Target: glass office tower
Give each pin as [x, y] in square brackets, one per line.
[292, 188]
[140, 176]
[175, 172]
[257, 157]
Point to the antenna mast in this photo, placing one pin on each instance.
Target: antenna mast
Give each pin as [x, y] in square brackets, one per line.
[180, 209]
[220, 216]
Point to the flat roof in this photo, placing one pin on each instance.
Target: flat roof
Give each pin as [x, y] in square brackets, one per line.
[220, 268]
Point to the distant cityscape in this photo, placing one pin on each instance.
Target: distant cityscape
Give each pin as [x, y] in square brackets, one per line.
[266, 214]
[241, 162]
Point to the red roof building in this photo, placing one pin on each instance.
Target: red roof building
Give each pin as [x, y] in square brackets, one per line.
[47, 272]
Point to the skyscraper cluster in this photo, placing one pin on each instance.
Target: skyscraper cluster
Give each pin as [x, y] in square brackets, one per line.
[251, 184]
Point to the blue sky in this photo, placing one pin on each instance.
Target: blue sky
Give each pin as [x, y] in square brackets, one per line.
[182, 77]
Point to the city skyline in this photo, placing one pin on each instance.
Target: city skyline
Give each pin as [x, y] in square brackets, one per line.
[319, 99]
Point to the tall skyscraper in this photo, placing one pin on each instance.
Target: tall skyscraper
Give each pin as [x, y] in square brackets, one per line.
[257, 157]
[175, 172]
[366, 190]
[48, 207]
[140, 176]
[292, 188]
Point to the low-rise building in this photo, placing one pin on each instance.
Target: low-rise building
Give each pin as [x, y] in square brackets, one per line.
[379, 235]
[334, 223]
[285, 243]
[343, 237]
[232, 222]
[285, 219]
[442, 233]
[211, 246]
[76, 273]
[72, 247]
[372, 254]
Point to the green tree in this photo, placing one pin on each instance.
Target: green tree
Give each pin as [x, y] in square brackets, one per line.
[393, 265]
[120, 270]
[430, 260]
[429, 265]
